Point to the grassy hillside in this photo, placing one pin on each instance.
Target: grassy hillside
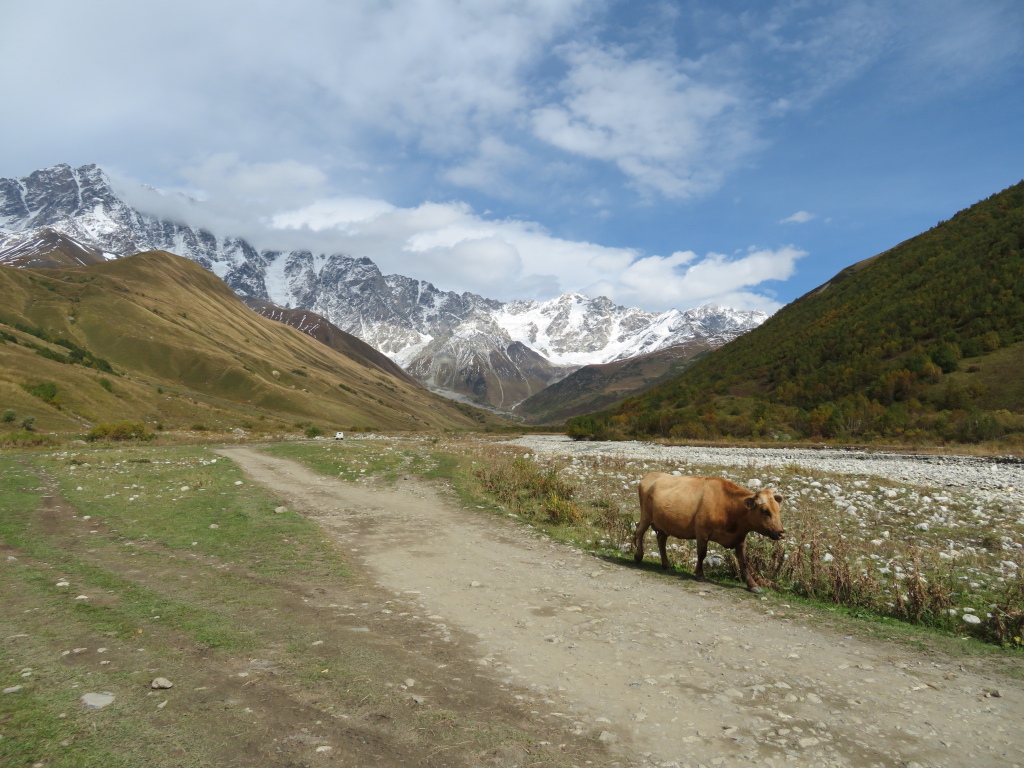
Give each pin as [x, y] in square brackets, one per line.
[157, 338]
[922, 342]
[326, 332]
[598, 386]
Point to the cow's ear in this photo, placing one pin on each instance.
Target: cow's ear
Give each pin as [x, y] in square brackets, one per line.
[778, 498]
[750, 501]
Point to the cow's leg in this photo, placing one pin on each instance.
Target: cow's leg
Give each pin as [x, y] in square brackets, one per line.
[662, 539]
[638, 538]
[745, 574]
[702, 551]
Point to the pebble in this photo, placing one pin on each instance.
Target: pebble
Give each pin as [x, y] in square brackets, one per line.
[608, 737]
[97, 700]
[161, 682]
[214, 526]
[13, 689]
[970, 618]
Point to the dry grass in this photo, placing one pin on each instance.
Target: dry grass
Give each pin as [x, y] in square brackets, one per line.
[872, 547]
[923, 556]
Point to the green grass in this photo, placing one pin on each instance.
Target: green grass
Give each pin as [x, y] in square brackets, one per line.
[173, 496]
[170, 596]
[165, 536]
[353, 459]
[1001, 384]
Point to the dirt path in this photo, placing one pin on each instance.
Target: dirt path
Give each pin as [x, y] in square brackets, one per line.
[672, 671]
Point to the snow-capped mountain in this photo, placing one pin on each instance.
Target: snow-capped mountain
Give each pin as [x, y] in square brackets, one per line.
[494, 353]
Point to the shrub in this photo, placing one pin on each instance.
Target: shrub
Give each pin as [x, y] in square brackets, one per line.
[314, 431]
[122, 430]
[8, 416]
[26, 439]
[521, 483]
[562, 510]
[199, 428]
[105, 383]
[45, 390]
[27, 423]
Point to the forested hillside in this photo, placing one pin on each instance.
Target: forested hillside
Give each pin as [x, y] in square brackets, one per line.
[924, 341]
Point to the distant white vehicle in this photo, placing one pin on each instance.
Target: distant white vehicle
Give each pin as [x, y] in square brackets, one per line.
[339, 435]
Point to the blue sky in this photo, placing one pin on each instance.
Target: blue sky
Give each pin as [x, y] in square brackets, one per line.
[661, 153]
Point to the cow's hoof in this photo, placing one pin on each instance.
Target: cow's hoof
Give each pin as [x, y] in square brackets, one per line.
[754, 590]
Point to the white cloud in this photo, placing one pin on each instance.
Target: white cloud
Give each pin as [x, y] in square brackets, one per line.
[343, 214]
[310, 78]
[665, 130]
[954, 43]
[822, 48]
[261, 186]
[485, 96]
[684, 280]
[229, 196]
[457, 249]
[800, 217]
[492, 169]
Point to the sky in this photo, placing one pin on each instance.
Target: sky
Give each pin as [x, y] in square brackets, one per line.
[662, 153]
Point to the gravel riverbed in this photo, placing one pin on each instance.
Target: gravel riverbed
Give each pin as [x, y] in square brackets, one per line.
[985, 478]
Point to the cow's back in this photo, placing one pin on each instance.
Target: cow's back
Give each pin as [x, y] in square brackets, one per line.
[678, 501]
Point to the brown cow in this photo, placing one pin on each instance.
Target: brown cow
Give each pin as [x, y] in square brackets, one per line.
[705, 509]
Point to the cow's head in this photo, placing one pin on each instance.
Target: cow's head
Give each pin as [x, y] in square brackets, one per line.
[764, 513]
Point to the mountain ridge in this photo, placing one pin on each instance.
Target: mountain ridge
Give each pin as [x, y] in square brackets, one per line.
[486, 350]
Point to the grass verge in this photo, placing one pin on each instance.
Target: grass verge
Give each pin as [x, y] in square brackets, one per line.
[857, 546]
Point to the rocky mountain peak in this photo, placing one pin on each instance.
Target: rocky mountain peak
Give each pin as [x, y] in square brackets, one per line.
[463, 344]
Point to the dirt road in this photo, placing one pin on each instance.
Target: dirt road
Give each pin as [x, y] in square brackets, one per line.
[664, 669]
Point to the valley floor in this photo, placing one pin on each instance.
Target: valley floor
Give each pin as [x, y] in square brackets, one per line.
[662, 670]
